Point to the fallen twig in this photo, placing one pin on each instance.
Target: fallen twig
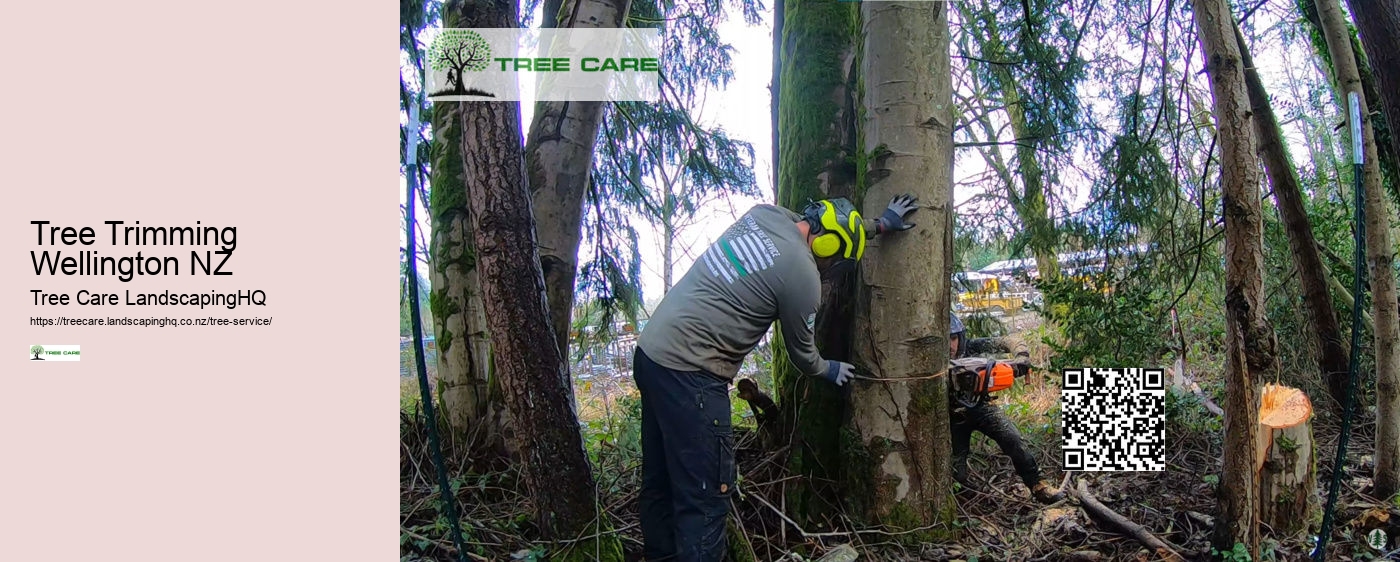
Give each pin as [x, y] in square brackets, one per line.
[1102, 513]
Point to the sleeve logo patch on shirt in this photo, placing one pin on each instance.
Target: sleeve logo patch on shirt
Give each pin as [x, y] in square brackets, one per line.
[811, 320]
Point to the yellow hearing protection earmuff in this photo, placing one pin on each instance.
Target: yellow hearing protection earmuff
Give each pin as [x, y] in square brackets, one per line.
[839, 229]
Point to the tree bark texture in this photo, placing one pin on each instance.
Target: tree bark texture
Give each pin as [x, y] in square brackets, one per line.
[1288, 193]
[470, 394]
[775, 86]
[816, 120]
[559, 157]
[1288, 481]
[1249, 340]
[470, 397]
[901, 438]
[1380, 258]
[534, 377]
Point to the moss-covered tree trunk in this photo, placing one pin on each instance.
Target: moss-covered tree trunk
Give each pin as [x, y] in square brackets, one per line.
[470, 396]
[816, 143]
[775, 86]
[1249, 340]
[1030, 203]
[899, 455]
[1380, 258]
[559, 157]
[1288, 193]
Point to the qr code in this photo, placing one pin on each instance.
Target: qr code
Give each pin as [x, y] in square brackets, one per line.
[1114, 419]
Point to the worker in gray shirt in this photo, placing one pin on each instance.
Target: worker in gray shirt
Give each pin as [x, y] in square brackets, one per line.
[765, 267]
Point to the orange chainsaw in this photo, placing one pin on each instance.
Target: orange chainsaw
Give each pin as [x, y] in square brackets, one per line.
[975, 378]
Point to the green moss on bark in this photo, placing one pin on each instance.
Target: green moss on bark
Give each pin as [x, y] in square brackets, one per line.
[817, 39]
[815, 133]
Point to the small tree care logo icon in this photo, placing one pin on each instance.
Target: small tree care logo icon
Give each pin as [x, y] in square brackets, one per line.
[1377, 539]
[459, 51]
[55, 353]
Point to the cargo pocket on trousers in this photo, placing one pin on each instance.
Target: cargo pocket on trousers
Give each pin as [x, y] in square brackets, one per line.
[725, 471]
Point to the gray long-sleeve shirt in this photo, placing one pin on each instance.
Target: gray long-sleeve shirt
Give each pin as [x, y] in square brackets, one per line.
[759, 271]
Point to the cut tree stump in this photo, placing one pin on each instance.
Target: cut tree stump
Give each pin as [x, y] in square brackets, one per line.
[1286, 462]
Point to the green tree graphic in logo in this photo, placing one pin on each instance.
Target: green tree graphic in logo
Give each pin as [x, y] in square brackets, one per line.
[458, 51]
[1377, 539]
[36, 350]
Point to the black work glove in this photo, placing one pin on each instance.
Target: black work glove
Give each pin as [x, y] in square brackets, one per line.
[893, 220]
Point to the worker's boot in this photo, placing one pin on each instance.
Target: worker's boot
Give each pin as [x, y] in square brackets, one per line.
[1043, 493]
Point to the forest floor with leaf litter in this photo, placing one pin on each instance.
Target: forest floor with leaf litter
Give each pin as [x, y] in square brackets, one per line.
[997, 518]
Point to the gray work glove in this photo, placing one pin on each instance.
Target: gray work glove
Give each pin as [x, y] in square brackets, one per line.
[893, 220]
[838, 373]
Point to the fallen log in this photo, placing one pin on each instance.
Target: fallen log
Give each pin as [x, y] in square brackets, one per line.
[1103, 514]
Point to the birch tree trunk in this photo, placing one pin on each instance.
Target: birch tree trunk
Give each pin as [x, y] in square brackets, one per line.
[1380, 259]
[1249, 340]
[1288, 193]
[559, 157]
[900, 463]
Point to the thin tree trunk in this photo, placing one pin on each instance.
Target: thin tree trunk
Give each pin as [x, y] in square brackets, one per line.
[1249, 341]
[559, 157]
[1030, 204]
[1380, 258]
[902, 303]
[1312, 274]
[533, 374]
[668, 244]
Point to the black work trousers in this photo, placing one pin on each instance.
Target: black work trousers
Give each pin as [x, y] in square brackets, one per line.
[687, 462]
[989, 420]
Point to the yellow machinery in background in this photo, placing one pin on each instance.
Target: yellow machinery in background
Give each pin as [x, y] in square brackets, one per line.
[984, 293]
